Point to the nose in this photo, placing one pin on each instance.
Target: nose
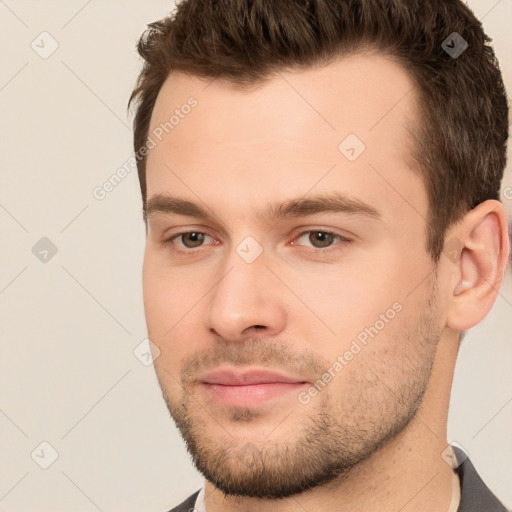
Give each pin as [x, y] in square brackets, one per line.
[246, 302]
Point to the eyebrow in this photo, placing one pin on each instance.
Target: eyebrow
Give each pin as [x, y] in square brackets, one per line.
[274, 212]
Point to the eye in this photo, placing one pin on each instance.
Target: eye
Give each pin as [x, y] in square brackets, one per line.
[190, 239]
[318, 239]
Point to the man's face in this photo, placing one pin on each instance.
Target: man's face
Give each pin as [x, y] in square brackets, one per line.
[310, 262]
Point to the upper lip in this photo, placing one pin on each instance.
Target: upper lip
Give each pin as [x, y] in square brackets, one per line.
[228, 377]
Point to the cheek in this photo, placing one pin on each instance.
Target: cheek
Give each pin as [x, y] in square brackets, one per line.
[346, 299]
[163, 310]
[359, 310]
[173, 306]
[165, 295]
[153, 296]
[380, 351]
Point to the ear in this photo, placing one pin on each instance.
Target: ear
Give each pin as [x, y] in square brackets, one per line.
[479, 247]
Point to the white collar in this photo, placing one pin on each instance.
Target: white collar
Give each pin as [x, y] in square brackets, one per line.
[199, 505]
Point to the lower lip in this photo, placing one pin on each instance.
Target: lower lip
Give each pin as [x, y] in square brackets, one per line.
[251, 395]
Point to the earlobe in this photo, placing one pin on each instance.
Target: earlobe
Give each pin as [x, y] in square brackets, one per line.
[479, 269]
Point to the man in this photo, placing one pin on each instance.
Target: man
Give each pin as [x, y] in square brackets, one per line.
[320, 182]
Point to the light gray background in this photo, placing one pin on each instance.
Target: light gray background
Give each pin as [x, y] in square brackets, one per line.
[69, 326]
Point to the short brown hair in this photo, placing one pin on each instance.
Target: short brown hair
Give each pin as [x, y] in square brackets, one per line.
[460, 142]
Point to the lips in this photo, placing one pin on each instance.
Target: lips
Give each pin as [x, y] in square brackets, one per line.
[248, 388]
[227, 377]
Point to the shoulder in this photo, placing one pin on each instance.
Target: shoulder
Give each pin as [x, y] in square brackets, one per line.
[475, 495]
[187, 505]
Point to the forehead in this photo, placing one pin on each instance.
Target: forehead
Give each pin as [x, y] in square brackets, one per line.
[344, 125]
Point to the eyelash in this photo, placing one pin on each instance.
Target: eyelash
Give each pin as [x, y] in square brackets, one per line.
[341, 240]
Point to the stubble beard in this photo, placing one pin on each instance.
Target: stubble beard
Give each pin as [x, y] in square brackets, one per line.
[332, 434]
